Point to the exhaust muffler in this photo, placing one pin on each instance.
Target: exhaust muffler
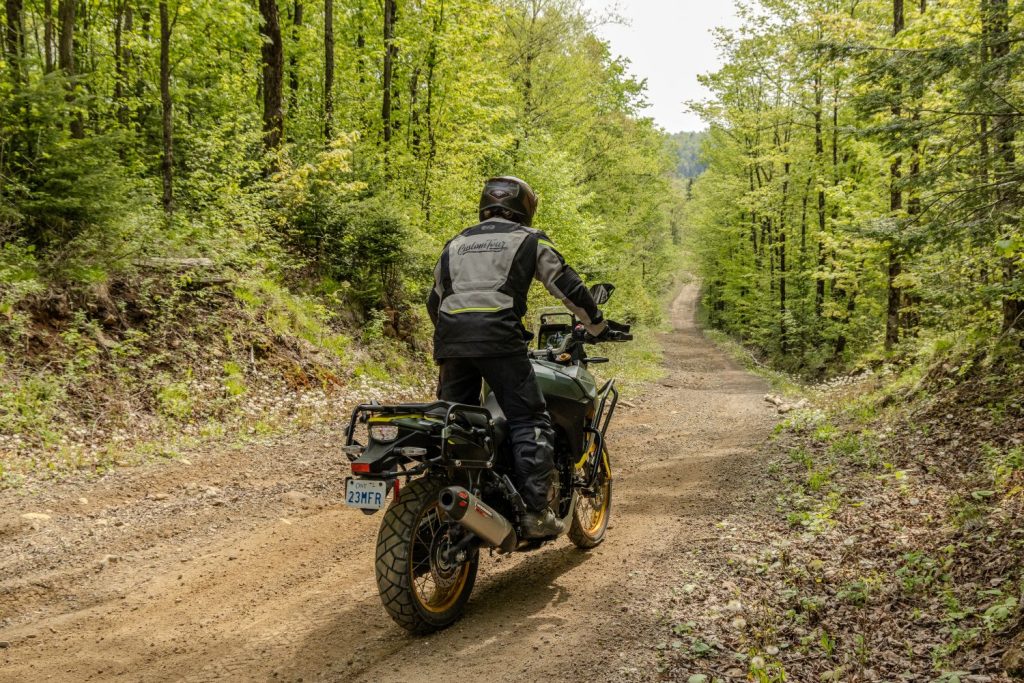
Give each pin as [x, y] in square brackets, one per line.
[463, 507]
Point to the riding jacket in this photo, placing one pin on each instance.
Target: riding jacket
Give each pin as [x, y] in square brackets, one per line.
[480, 287]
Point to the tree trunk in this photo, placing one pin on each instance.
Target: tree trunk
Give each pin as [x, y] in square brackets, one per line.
[753, 221]
[428, 115]
[48, 35]
[390, 51]
[66, 58]
[414, 115]
[840, 291]
[293, 60]
[128, 57]
[14, 38]
[87, 56]
[328, 69]
[167, 113]
[911, 300]
[122, 23]
[803, 226]
[143, 107]
[892, 318]
[14, 49]
[273, 79]
[360, 49]
[1004, 134]
[784, 338]
[819, 155]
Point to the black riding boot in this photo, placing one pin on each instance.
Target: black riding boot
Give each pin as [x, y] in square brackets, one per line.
[536, 474]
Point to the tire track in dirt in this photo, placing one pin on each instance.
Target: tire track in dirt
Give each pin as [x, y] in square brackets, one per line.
[257, 588]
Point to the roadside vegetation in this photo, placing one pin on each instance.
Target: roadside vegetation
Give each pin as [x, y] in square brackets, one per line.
[207, 207]
[858, 236]
[884, 544]
[862, 194]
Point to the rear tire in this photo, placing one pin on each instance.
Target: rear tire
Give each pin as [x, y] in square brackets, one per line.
[418, 590]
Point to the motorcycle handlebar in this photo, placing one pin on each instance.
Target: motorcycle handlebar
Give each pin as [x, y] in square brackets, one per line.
[609, 336]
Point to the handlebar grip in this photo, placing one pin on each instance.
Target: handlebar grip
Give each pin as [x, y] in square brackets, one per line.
[609, 336]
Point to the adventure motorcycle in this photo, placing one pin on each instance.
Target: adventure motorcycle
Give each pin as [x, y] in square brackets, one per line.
[455, 463]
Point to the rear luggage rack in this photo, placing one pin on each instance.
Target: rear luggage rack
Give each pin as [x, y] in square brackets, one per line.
[480, 449]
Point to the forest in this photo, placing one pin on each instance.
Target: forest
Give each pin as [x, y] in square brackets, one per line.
[219, 221]
[863, 195]
[308, 159]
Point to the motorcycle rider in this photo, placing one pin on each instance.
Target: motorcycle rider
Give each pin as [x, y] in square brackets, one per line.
[477, 305]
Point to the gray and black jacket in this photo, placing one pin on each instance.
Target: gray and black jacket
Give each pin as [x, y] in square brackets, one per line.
[480, 286]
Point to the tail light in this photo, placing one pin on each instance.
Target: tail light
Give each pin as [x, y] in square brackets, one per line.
[384, 433]
[360, 468]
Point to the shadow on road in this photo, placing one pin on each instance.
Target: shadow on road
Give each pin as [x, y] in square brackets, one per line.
[505, 602]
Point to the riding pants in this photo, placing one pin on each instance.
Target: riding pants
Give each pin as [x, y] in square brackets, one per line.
[515, 387]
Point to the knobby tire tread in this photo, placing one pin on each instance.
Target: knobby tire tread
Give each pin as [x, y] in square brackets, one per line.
[391, 565]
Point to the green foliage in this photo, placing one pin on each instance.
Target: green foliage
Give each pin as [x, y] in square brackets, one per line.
[234, 379]
[999, 613]
[174, 398]
[688, 151]
[920, 574]
[819, 479]
[855, 205]
[290, 315]
[344, 208]
[317, 255]
[856, 592]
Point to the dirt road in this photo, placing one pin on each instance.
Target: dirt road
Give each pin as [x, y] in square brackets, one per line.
[242, 565]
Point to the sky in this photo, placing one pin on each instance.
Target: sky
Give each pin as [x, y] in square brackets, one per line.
[669, 43]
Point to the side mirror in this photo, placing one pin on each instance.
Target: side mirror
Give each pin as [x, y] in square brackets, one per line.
[602, 293]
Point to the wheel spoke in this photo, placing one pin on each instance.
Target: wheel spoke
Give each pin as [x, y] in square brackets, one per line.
[435, 586]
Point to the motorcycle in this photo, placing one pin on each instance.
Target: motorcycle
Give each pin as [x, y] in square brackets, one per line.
[449, 469]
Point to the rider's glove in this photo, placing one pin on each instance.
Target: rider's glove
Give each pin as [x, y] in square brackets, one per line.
[597, 327]
[612, 332]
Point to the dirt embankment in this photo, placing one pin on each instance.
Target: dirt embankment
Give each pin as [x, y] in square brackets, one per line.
[243, 565]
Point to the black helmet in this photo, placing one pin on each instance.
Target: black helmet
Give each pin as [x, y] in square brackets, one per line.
[508, 196]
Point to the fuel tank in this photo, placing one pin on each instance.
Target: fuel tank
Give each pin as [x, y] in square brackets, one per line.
[570, 393]
[572, 383]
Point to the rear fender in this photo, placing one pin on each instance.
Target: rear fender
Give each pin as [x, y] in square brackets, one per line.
[380, 459]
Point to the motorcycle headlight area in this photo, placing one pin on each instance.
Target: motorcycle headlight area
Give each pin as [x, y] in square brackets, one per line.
[383, 433]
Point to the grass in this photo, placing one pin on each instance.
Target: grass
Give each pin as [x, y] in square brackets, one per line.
[634, 364]
[96, 396]
[289, 314]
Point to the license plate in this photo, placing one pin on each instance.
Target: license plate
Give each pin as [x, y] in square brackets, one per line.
[365, 494]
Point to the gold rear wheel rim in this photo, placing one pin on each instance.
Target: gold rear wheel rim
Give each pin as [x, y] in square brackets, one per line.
[436, 587]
